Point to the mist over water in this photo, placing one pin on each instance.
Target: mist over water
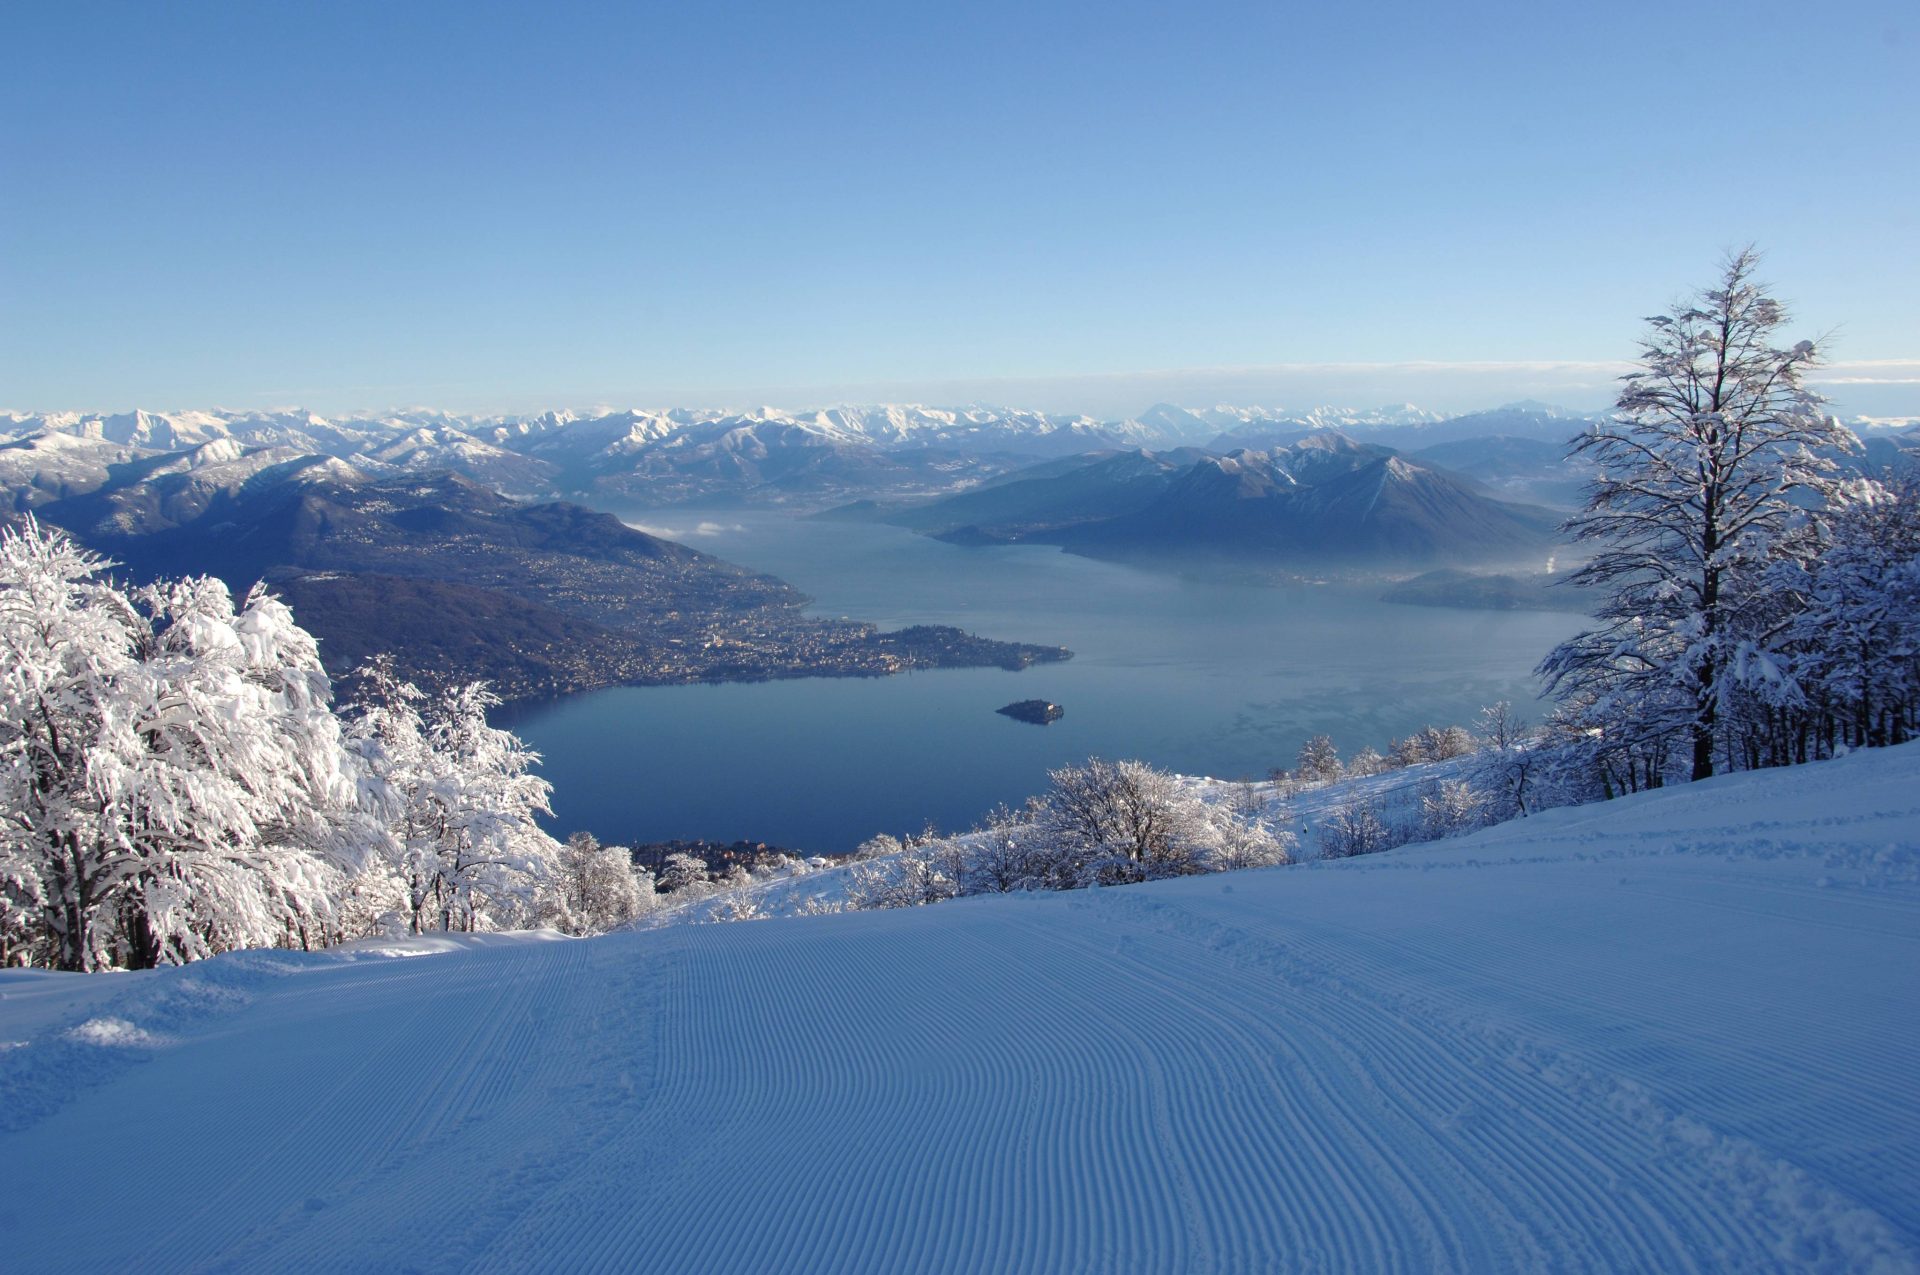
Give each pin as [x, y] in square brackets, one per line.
[1196, 676]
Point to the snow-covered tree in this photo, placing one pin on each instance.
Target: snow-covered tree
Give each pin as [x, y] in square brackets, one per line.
[684, 875]
[881, 845]
[1006, 853]
[373, 903]
[1505, 768]
[1411, 751]
[596, 887]
[922, 872]
[1239, 834]
[23, 933]
[173, 781]
[1367, 761]
[1114, 822]
[1713, 437]
[1318, 762]
[461, 803]
[1854, 640]
[1444, 743]
[1450, 806]
[646, 889]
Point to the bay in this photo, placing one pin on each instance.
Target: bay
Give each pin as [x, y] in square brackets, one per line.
[1198, 676]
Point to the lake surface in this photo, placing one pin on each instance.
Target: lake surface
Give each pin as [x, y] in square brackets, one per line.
[1200, 677]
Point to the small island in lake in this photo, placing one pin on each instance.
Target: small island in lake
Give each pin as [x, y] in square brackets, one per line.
[1037, 711]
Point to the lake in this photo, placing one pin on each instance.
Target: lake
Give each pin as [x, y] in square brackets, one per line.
[1200, 677]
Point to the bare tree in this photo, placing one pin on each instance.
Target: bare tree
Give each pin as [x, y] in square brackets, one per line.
[1121, 821]
[1006, 854]
[1354, 828]
[1712, 435]
[1505, 767]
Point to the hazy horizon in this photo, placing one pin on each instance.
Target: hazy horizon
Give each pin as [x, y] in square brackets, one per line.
[1882, 388]
[1072, 207]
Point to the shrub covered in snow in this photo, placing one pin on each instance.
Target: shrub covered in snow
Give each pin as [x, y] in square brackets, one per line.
[1103, 823]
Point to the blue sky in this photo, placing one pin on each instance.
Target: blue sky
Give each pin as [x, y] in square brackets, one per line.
[503, 207]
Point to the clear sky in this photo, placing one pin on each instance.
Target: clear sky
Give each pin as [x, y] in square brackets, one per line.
[503, 207]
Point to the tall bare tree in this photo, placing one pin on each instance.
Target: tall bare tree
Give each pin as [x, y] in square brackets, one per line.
[1712, 436]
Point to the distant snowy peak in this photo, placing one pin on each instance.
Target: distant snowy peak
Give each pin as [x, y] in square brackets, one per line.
[1535, 407]
[48, 466]
[617, 432]
[676, 455]
[1325, 417]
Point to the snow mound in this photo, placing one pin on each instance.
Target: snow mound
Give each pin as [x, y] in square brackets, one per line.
[115, 1033]
[1672, 1032]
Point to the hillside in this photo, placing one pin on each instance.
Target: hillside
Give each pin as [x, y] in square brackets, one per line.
[459, 581]
[1671, 1032]
[1298, 506]
[1324, 500]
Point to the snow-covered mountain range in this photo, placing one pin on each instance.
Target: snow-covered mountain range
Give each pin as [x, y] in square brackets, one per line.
[666, 457]
[635, 457]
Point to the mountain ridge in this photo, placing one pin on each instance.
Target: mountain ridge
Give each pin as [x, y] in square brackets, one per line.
[1326, 500]
[457, 580]
[675, 456]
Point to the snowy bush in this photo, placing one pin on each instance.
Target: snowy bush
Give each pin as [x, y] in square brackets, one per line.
[684, 876]
[597, 887]
[1238, 835]
[922, 873]
[1354, 827]
[1104, 823]
[1005, 853]
[1506, 772]
[1449, 807]
[1107, 823]
[1366, 762]
[880, 846]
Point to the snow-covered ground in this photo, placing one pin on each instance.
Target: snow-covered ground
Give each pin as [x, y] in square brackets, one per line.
[1673, 1032]
[1394, 795]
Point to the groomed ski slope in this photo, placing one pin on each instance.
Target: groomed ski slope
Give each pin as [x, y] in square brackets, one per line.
[1675, 1032]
